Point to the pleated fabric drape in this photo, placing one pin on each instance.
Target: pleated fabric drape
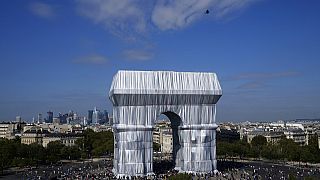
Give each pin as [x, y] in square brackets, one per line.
[139, 97]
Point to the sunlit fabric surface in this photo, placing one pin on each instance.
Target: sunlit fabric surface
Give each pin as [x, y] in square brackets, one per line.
[187, 98]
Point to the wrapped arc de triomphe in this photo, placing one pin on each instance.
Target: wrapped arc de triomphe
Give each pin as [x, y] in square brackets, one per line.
[188, 99]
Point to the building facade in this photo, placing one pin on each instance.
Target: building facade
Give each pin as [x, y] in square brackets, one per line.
[33, 135]
[9, 130]
[167, 143]
[65, 139]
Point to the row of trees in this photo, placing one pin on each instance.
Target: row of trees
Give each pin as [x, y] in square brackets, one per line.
[95, 144]
[15, 154]
[285, 150]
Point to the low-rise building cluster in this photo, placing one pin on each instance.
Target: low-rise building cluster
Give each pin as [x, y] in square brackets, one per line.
[44, 133]
[66, 128]
[10, 130]
[300, 131]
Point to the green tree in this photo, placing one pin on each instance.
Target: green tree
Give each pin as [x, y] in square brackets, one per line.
[54, 150]
[306, 155]
[272, 152]
[241, 148]
[258, 143]
[102, 143]
[223, 149]
[96, 143]
[86, 142]
[5, 154]
[313, 148]
[180, 177]
[289, 149]
[38, 153]
[71, 153]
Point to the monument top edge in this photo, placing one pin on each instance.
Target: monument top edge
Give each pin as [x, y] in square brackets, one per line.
[163, 71]
[166, 82]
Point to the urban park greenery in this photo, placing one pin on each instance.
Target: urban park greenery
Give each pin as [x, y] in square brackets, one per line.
[92, 144]
[97, 144]
[284, 150]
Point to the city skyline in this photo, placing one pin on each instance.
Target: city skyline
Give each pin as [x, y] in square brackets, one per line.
[62, 55]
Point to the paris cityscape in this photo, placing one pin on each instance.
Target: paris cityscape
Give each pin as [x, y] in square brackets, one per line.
[164, 89]
[71, 154]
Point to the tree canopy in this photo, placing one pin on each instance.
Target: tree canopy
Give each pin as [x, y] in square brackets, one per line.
[13, 153]
[285, 149]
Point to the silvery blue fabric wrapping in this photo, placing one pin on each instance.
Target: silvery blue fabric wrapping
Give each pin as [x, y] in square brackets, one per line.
[187, 98]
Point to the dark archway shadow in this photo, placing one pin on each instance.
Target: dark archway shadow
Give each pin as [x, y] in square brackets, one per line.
[163, 166]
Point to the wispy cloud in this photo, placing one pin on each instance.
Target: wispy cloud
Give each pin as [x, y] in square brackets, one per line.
[171, 15]
[92, 59]
[42, 10]
[137, 54]
[127, 17]
[260, 80]
[122, 18]
[253, 85]
[270, 75]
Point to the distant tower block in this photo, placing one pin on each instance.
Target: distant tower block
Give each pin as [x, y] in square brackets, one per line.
[50, 117]
[39, 118]
[188, 99]
[18, 119]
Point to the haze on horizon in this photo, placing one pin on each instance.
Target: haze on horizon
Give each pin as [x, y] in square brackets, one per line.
[62, 55]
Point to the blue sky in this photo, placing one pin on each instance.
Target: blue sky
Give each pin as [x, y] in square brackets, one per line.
[62, 55]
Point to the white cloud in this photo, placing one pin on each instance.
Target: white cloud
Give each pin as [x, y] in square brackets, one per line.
[42, 10]
[120, 17]
[260, 80]
[177, 14]
[92, 59]
[137, 54]
[123, 17]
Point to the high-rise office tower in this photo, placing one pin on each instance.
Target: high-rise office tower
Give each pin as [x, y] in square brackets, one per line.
[90, 114]
[39, 118]
[84, 121]
[105, 117]
[18, 119]
[63, 118]
[49, 117]
[95, 116]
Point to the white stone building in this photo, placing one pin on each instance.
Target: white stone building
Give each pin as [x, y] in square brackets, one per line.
[167, 143]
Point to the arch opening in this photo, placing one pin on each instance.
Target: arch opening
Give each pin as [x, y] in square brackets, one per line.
[167, 136]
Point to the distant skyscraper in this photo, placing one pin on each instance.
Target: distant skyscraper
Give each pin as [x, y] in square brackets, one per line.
[95, 116]
[18, 119]
[90, 114]
[39, 118]
[105, 118]
[75, 116]
[49, 117]
[63, 118]
[84, 121]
